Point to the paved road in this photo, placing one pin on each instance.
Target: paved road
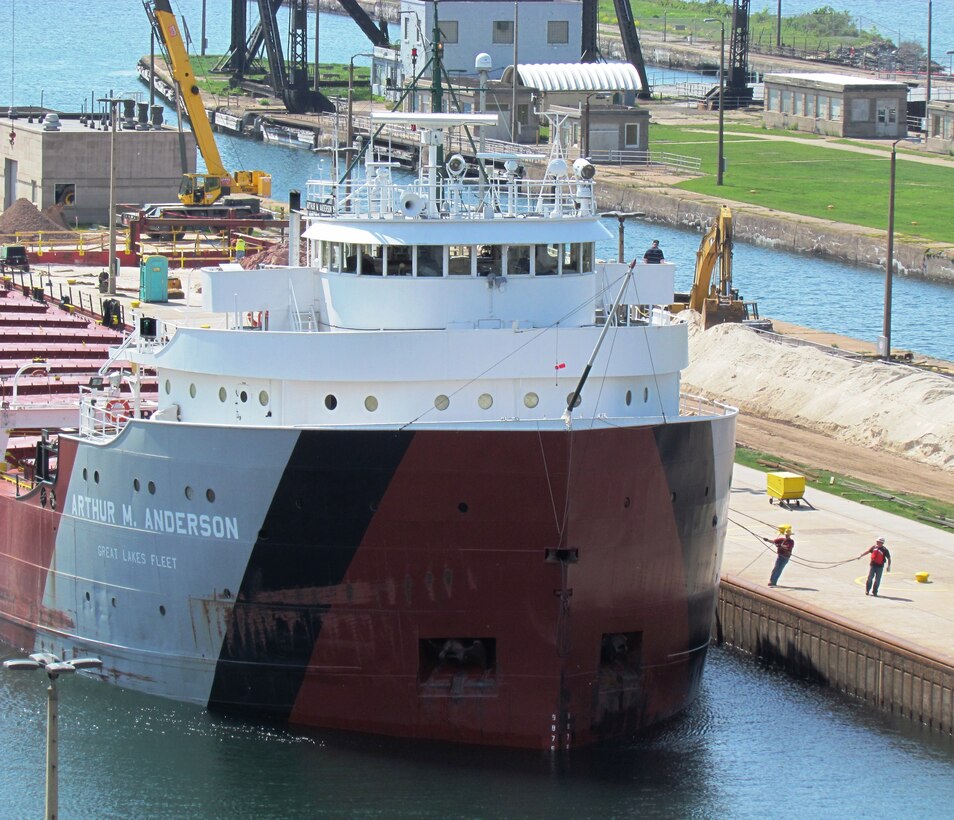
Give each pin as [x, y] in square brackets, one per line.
[834, 529]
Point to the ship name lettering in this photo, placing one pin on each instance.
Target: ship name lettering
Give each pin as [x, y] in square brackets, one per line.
[93, 509]
[180, 523]
[107, 552]
[163, 561]
[134, 557]
[127, 516]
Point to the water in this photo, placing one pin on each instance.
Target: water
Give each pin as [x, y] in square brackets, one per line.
[756, 744]
[900, 22]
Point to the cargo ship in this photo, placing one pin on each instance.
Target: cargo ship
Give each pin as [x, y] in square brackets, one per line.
[439, 482]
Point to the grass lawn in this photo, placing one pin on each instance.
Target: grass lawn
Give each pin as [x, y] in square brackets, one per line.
[927, 510]
[804, 177]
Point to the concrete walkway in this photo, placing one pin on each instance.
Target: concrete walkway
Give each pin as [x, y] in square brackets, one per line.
[833, 529]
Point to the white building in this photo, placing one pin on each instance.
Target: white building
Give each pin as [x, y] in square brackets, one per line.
[548, 31]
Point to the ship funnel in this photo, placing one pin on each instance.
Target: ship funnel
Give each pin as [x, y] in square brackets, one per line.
[412, 204]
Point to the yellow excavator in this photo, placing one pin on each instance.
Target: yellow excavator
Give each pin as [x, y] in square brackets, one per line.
[717, 303]
[217, 183]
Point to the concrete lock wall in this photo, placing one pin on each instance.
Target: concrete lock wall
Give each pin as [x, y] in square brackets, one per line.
[883, 671]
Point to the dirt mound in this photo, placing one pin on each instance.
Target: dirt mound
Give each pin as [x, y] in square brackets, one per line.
[276, 254]
[24, 217]
[54, 213]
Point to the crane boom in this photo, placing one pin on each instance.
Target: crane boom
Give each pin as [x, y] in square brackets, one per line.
[167, 29]
[207, 188]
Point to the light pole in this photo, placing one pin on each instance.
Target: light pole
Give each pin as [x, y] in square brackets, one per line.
[928, 90]
[622, 216]
[113, 262]
[349, 134]
[884, 343]
[53, 667]
[778, 28]
[721, 23]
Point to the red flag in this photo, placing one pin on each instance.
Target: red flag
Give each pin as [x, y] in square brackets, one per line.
[559, 366]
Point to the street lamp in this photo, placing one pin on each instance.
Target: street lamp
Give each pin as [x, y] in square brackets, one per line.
[884, 343]
[53, 667]
[349, 134]
[622, 216]
[721, 23]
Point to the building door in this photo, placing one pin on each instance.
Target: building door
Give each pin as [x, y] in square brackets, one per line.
[886, 124]
[9, 182]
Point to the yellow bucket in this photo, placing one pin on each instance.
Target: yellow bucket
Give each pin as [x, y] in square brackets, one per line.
[922, 577]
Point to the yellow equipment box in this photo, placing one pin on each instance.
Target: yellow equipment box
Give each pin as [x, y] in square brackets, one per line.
[785, 486]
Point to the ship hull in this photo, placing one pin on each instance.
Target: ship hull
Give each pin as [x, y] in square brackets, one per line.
[542, 589]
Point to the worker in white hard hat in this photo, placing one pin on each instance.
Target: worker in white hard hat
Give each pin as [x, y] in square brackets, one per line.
[880, 559]
[784, 544]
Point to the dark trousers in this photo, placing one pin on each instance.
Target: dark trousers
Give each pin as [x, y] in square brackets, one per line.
[874, 577]
[780, 563]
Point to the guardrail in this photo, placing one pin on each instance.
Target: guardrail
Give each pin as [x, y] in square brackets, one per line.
[674, 162]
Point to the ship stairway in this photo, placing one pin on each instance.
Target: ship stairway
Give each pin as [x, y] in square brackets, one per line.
[302, 321]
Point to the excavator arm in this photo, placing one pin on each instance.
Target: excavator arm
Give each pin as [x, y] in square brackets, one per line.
[715, 248]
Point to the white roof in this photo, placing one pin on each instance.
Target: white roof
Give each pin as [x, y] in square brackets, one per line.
[518, 231]
[549, 77]
[828, 78]
[433, 120]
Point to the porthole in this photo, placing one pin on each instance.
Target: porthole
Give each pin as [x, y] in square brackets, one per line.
[113, 601]
[331, 402]
[485, 401]
[210, 495]
[370, 404]
[162, 609]
[645, 394]
[96, 476]
[87, 596]
[192, 390]
[442, 402]
[463, 506]
[531, 400]
[188, 493]
[263, 398]
[136, 485]
[263, 535]
[626, 502]
[85, 475]
[151, 486]
[222, 395]
[577, 403]
[168, 387]
[629, 397]
[243, 396]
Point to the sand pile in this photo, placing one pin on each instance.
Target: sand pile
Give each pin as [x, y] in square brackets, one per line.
[24, 217]
[893, 408]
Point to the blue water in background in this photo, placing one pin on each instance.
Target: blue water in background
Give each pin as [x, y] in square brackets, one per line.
[63, 53]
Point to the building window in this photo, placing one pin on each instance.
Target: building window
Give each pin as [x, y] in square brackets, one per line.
[558, 32]
[64, 193]
[448, 31]
[503, 31]
[799, 105]
[631, 134]
[773, 97]
[821, 106]
[861, 110]
[836, 109]
[786, 102]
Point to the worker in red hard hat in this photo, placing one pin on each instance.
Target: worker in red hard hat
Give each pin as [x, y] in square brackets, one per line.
[784, 544]
[880, 560]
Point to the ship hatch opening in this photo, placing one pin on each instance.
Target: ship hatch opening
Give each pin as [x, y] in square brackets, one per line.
[621, 660]
[457, 664]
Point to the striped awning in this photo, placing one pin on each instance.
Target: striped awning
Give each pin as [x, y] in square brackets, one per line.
[555, 77]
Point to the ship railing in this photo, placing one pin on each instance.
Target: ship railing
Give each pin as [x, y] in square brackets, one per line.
[692, 405]
[103, 413]
[506, 195]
